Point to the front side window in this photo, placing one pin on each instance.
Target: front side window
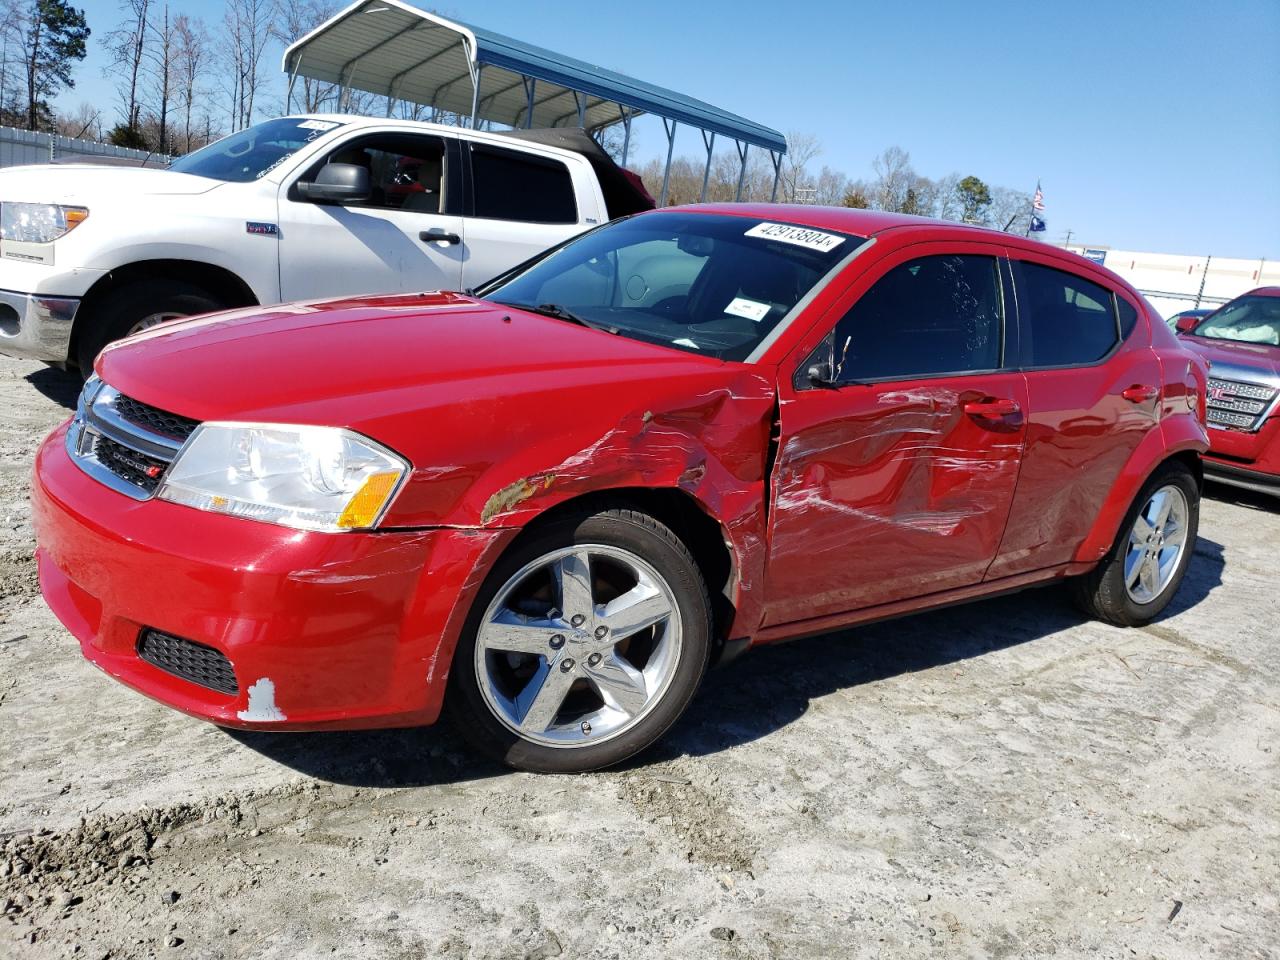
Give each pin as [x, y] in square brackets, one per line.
[406, 172]
[510, 185]
[254, 152]
[706, 283]
[928, 316]
[1251, 319]
[1066, 320]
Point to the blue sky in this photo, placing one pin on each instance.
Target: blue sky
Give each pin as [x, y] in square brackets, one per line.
[1152, 126]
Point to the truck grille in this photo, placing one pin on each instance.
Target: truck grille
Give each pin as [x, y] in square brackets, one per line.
[188, 660]
[1238, 405]
[123, 443]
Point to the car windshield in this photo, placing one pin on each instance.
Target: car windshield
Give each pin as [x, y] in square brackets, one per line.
[1252, 319]
[255, 152]
[705, 283]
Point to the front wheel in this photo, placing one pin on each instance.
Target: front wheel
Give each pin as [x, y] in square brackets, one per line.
[587, 642]
[135, 307]
[1136, 580]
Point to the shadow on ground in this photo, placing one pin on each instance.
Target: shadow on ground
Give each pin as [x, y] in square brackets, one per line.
[1249, 499]
[60, 386]
[743, 701]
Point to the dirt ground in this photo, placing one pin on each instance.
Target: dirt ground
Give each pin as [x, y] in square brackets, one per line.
[999, 780]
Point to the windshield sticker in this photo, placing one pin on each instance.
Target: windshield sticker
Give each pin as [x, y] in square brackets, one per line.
[752, 310]
[685, 342]
[799, 236]
[318, 125]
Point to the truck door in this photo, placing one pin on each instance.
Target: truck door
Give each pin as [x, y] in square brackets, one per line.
[406, 236]
[519, 203]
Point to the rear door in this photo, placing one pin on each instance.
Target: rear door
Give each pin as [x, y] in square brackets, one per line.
[1093, 387]
[519, 203]
[407, 236]
[895, 480]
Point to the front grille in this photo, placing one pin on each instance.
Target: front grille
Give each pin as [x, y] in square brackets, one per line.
[1238, 404]
[189, 660]
[128, 464]
[154, 419]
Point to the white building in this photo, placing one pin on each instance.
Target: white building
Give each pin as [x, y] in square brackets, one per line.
[1173, 283]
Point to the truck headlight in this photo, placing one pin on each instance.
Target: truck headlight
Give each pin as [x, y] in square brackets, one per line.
[312, 478]
[38, 222]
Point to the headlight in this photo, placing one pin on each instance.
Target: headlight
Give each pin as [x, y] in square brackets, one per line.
[313, 478]
[38, 222]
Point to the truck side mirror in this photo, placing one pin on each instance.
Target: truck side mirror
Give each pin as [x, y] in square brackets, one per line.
[337, 182]
[1187, 324]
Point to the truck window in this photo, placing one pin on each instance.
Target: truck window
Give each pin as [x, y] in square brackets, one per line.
[255, 152]
[406, 172]
[510, 185]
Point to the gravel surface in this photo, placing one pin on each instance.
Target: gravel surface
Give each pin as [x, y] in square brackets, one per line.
[997, 780]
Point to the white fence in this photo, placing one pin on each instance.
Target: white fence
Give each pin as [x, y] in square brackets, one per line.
[26, 146]
[1173, 283]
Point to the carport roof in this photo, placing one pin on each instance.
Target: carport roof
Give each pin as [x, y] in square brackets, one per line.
[394, 49]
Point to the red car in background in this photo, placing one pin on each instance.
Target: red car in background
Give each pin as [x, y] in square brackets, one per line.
[680, 435]
[1241, 341]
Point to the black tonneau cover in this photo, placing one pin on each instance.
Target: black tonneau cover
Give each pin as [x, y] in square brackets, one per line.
[624, 192]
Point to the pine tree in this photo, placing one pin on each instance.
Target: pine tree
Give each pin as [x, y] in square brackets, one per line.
[53, 35]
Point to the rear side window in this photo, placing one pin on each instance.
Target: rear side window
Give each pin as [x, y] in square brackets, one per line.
[1128, 317]
[931, 315]
[518, 186]
[1066, 320]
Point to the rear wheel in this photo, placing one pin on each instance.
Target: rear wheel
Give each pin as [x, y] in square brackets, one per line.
[1139, 576]
[586, 643]
[139, 306]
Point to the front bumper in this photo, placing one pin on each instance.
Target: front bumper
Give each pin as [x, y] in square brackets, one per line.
[35, 326]
[351, 630]
[1238, 476]
[1247, 459]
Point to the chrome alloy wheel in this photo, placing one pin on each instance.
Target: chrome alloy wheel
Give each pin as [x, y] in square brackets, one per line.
[578, 646]
[154, 320]
[1156, 543]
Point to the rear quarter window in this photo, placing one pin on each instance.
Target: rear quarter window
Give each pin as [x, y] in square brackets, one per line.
[1065, 319]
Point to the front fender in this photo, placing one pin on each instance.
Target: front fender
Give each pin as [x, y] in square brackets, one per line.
[1175, 435]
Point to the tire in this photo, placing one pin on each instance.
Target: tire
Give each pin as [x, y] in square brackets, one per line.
[121, 310]
[617, 691]
[1104, 593]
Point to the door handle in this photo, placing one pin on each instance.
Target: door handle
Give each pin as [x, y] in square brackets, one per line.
[438, 236]
[992, 408]
[1140, 393]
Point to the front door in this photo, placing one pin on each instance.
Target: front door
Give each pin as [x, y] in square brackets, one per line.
[894, 479]
[383, 244]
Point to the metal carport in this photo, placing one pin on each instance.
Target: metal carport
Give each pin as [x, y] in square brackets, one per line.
[395, 50]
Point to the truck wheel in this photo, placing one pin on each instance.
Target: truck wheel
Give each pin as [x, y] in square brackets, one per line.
[585, 644]
[137, 306]
[1139, 576]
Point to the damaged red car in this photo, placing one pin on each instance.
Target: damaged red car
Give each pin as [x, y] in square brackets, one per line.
[548, 506]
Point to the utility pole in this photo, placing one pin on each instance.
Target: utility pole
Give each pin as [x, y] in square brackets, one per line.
[1204, 276]
[1067, 242]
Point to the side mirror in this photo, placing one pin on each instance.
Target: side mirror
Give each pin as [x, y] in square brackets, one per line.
[337, 182]
[819, 375]
[1187, 324]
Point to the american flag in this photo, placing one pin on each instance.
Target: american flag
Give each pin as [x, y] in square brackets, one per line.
[1037, 202]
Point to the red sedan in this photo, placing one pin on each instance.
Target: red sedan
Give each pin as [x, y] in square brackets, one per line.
[548, 506]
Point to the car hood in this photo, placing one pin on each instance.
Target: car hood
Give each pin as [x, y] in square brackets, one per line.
[1236, 354]
[354, 361]
[84, 183]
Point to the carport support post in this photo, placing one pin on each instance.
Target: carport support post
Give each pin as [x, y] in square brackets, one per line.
[626, 134]
[530, 85]
[742, 170]
[777, 175]
[710, 143]
[671, 147]
[288, 94]
[475, 93]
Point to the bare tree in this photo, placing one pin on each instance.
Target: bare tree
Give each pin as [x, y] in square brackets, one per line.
[295, 19]
[830, 187]
[162, 74]
[802, 149]
[947, 204]
[894, 176]
[83, 123]
[1009, 209]
[248, 26]
[127, 45]
[191, 55]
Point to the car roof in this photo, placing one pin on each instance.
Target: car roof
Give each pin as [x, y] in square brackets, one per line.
[1263, 292]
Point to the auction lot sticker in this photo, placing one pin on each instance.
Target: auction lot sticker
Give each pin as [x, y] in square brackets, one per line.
[800, 236]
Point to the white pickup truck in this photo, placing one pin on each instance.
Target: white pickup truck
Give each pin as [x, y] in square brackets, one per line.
[293, 208]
